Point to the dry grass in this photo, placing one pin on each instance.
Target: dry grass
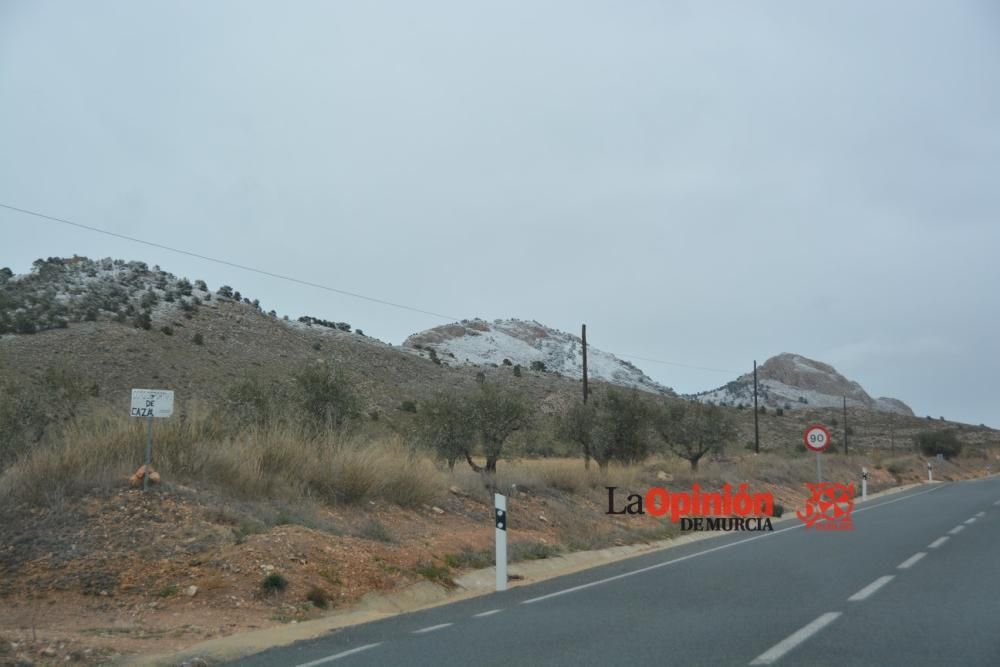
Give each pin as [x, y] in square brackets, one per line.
[281, 462]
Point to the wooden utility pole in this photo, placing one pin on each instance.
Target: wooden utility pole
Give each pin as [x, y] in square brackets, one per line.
[845, 424]
[892, 433]
[756, 427]
[583, 336]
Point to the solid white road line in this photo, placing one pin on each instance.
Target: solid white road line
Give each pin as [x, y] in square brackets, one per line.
[972, 520]
[980, 513]
[870, 589]
[911, 561]
[487, 613]
[432, 628]
[706, 551]
[776, 652]
[338, 656]
[956, 530]
[938, 542]
[656, 566]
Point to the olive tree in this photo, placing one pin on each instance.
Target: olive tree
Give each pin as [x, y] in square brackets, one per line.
[444, 427]
[692, 430]
[496, 415]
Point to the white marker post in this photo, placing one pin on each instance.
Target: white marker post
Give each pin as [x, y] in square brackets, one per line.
[151, 403]
[930, 472]
[864, 483]
[500, 502]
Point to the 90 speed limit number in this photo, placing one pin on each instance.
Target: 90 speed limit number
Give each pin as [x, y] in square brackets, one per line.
[817, 437]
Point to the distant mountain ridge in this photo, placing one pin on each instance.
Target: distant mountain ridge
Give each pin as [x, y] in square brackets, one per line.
[477, 342]
[791, 381]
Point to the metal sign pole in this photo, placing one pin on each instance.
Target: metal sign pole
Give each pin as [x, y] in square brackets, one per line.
[500, 506]
[819, 468]
[149, 452]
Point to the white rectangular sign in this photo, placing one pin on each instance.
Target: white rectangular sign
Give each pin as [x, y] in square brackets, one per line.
[152, 403]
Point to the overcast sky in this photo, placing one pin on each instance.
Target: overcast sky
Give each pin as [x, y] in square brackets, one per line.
[707, 183]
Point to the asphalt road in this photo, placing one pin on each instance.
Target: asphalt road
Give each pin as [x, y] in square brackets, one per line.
[893, 591]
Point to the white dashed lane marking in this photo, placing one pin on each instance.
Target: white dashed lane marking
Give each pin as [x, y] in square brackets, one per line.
[956, 530]
[487, 613]
[431, 628]
[938, 542]
[338, 656]
[870, 589]
[778, 651]
[911, 561]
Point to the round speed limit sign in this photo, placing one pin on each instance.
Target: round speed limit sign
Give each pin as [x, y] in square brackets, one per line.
[817, 437]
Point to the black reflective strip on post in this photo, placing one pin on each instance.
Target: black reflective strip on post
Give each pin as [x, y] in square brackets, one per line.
[501, 517]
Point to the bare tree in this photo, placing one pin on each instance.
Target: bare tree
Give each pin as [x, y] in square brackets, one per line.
[692, 430]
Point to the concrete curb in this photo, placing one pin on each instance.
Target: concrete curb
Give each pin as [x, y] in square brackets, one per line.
[425, 594]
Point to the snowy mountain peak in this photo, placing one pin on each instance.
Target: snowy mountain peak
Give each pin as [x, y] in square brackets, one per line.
[792, 381]
[529, 344]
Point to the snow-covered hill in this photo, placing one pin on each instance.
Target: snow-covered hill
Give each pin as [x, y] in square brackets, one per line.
[791, 381]
[528, 344]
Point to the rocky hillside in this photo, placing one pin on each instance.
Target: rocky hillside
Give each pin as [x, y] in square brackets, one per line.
[531, 345]
[791, 381]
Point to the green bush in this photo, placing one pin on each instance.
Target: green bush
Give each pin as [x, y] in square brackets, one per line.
[318, 597]
[538, 366]
[198, 339]
[326, 397]
[274, 583]
[932, 443]
[408, 406]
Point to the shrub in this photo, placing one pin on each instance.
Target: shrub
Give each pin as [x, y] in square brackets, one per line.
[408, 406]
[198, 339]
[318, 597]
[517, 370]
[326, 397]
[538, 366]
[437, 573]
[470, 558]
[167, 330]
[142, 320]
[274, 583]
[932, 443]
[532, 551]
[779, 412]
[508, 362]
[317, 346]
[373, 529]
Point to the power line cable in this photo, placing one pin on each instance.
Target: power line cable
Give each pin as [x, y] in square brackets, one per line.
[299, 281]
[232, 264]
